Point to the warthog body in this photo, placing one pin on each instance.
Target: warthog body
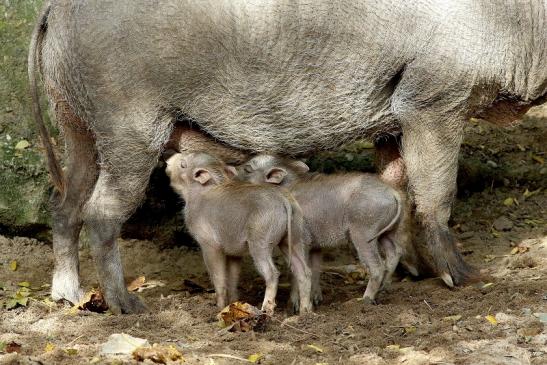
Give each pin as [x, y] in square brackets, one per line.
[341, 208]
[230, 218]
[277, 76]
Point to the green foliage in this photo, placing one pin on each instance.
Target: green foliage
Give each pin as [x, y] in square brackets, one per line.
[24, 186]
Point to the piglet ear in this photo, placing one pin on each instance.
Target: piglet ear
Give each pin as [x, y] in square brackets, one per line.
[275, 175]
[202, 176]
[300, 167]
[231, 171]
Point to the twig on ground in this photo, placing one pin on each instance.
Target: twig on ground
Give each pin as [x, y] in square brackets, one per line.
[227, 356]
[74, 340]
[428, 306]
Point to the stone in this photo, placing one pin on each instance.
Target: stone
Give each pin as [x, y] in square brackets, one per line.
[467, 235]
[503, 224]
[491, 164]
[529, 331]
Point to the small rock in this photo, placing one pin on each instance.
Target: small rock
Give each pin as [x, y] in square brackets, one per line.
[503, 317]
[529, 331]
[121, 343]
[467, 235]
[503, 224]
[526, 311]
[491, 164]
[371, 359]
[542, 317]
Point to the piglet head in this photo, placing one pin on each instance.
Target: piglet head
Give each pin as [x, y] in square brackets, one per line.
[272, 170]
[192, 173]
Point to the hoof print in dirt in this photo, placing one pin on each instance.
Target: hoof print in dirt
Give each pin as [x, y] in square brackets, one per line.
[242, 317]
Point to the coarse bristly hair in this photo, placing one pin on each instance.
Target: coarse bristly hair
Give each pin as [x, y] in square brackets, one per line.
[281, 76]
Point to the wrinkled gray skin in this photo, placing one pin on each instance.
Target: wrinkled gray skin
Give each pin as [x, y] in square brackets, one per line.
[230, 218]
[339, 208]
[279, 76]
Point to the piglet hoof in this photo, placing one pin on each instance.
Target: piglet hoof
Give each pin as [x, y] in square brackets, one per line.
[386, 285]
[128, 304]
[304, 309]
[293, 306]
[369, 301]
[317, 298]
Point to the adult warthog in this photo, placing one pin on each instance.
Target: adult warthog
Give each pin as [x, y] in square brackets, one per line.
[278, 76]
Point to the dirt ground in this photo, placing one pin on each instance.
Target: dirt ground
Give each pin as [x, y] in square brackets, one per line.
[501, 229]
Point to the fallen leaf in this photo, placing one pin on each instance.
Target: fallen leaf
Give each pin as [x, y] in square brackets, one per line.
[527, 193]
[25, 284]
[393, 347]
[538, 159]
[149, 284]
[488, 258]
[71, 352]
[490, 318]
[409, 330]
[255, 358]
[49, 347]
[136, 284]
[92, 301]
[48, 302]
[519, 250]
[158, 354]
[12, 347]
[454, 318]
[534, 222]
[19, 298]
[122, 343]
[315, 348]
[22, 144]
[13, 265]
[508, 202]
[242, 317]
